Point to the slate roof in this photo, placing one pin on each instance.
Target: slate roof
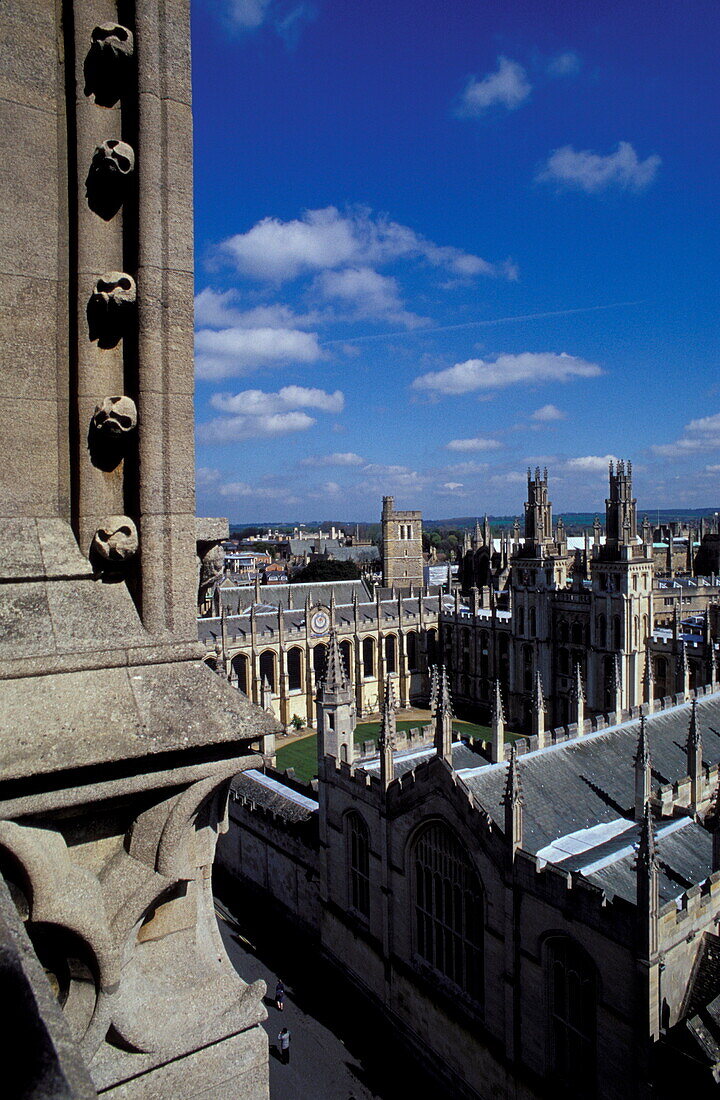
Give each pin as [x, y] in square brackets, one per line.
[579, 799]
[271, 795]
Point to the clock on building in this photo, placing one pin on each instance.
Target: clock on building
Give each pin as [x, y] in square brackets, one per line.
[320, 621]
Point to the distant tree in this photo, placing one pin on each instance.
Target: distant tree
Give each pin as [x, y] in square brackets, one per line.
[325, 570]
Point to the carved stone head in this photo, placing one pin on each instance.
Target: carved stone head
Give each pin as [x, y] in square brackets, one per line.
[106, 186]
[116, 540]
[115, 417]
[109, 63]
[111, 307]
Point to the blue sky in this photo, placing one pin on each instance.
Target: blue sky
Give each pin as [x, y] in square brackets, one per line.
[438, 243]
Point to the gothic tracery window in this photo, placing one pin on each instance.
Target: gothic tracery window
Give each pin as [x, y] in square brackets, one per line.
[572, 997]
[358, 864]
[448, 909]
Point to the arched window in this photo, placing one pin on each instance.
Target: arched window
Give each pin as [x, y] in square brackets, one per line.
[601, 631]
[572, 998]
[521, 620]
[576, 634]
[563, 661]
[346, 652]
[532, 622]
[368, 654]
[563, 631]
[527, 667]
[239, 667]
[294, 668]
[412, 651]
[390, 653]
[448, 909]
[617, 632]
[267, 669]
[432, 647]
[358, 862]
[319, 659]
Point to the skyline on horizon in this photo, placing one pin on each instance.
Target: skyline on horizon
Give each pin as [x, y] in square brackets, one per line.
[436, 246]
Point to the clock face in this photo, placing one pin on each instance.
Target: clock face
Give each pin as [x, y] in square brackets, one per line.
[320, 621]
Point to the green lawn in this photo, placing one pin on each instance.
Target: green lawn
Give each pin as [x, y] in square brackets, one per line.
[302, 755]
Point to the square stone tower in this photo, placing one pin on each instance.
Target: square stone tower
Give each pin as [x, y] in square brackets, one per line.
[116, 745]
[401, 547]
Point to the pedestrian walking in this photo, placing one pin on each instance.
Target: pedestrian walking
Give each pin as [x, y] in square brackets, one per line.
[280, 996]
[284, 1043]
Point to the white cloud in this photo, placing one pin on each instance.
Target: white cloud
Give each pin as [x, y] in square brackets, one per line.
[367, 293]
[564, 64]
[338, 458]
[259, 403]
[218, 309]
[706, 425]
[590, 463]
[206, 478]
[232, 429]
[235, 351]
[241, 489]
[476, 444]
[254, 413]
[547, 413]
[703, 435]
[712, 469]
[593, 173]
[506, 370]
[452, 485]
[248, 14]
[326, 239]
[507, 87]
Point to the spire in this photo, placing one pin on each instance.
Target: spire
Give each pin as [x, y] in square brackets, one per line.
[386, 736]
[643, 772]
[617, 686]
[266, 695]
[433, 689]
[648, 674]
[513, 802]
[539, 710]
[694, 752]
[684, 669]
[443, 718]
[335, 676]
[647, 858]
[577, 693]
[497, 743]
[647, 890]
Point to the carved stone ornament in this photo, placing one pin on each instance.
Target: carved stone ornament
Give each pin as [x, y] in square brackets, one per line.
[111, 307]
[116, 540]
[115, 417]
[111, 428]
[109, 63]
[106, 186]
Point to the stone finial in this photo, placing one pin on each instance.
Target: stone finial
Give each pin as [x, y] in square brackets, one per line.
[538, 706]
[497, 741]
[647, 857]
[335, 677]
[513, 801]
[433, 688]
[386, 735]
[643, 772]
[694, 753]
[577, 692]
[443, 718]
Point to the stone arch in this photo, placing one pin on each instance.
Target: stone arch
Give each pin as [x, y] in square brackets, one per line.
[448, 903]
[268, 669]
[239, 675]
[295, 668]
[368, 658]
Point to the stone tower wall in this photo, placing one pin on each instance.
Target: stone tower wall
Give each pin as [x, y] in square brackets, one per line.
[402, 547]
